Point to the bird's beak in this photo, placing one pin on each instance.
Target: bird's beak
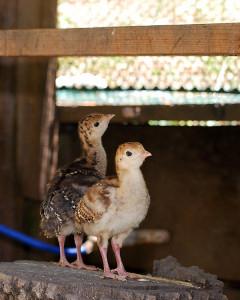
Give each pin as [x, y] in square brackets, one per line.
[147, 154]
[110, 116]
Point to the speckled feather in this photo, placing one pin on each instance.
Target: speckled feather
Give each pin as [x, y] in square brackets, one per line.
[64, 192]
[84, 213]
[71, 182]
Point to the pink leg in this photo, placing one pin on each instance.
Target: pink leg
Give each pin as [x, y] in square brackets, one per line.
[63, 261]
[106, 270]
[79, 261]
[120, 267]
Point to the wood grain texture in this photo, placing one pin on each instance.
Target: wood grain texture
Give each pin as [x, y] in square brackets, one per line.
[35, 88]
[22, 94]
[198, 39]
[9, 204]
[142, 114]
[41, 280]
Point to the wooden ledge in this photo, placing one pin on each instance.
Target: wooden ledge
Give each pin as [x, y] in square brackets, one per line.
[197, 39]
[41, 280]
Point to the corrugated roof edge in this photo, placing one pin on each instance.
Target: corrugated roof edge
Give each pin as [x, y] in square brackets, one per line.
[85, 89]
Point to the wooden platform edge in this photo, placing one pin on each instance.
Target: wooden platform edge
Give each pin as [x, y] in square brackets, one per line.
[53, 282]
[164, 280]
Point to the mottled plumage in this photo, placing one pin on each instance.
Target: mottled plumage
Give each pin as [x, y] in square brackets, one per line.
[63, 194]
[71, 182]
[113, 207]
[88, 210]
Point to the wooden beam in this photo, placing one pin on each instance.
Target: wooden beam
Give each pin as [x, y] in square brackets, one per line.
[35, 117]
[200, 39]
[142, 114]
[10, 205]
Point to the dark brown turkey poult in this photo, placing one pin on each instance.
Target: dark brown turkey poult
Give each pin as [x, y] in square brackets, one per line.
[71, 182]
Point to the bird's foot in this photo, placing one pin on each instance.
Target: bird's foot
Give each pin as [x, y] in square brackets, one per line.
[122, 273]
[80, 265]
[64, 263]
[109, 274]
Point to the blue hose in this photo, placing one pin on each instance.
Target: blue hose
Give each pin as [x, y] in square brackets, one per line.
[35, 243]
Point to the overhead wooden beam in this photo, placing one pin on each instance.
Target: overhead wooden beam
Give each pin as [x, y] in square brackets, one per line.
[200, 39]
[142, 114]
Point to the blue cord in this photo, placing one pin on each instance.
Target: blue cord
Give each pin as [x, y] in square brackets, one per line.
[35, 243]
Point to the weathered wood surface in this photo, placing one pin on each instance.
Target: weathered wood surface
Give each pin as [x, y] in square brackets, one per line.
[39, 280]
[143, 114]
[8, 204]
[35, 117]
[171, 268]
[23, 91]
[200, 39]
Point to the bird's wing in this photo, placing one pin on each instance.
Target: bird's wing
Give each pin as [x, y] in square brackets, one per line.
[77, 173]
[96, 201]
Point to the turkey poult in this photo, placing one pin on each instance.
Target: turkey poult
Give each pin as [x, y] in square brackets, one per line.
[71, 182]
[114, 206]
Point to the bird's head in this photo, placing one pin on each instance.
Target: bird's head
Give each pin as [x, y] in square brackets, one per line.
[93, 126]
[131, 156]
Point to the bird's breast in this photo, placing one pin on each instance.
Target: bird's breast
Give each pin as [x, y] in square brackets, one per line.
[129, 206]
[124, 214]
[133, 208]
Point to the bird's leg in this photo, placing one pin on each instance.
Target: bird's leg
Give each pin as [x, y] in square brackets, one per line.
[116, 246]
[79, 261]
[62, 261]
[120, 270]
[103, 247]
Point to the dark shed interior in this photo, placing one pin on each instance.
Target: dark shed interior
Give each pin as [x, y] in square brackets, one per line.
[193, 176]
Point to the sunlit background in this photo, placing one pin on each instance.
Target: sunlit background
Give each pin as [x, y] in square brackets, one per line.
[147, 80]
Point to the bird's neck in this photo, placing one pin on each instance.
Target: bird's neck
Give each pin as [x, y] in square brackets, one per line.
[130, 177]
[95, 155]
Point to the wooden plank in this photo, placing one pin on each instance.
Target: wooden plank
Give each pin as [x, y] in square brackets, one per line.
[142, 114]
[8, 189]
[48, 132]
[198, 39]
[35, 89]
[9, 206]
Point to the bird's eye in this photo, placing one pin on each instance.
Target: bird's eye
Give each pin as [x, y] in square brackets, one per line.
[96, 124]
[128, 153]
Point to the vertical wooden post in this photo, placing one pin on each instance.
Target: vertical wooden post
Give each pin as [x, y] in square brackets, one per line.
[27, 118]
[36, 104]
[8, 203]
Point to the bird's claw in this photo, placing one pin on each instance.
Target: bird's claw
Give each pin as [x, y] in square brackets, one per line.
[120, 272]
[65, 263]
[109, 274]
[113, 276]
[80, 265]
